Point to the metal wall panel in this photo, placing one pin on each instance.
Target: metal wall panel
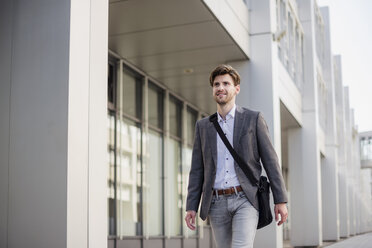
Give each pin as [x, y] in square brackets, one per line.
[207, 240]
[173, 243]
[110, 243]
[190, 243]
[153, 243]
[128, 243]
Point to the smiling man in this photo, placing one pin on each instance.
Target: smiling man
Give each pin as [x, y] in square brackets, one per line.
[228, 197]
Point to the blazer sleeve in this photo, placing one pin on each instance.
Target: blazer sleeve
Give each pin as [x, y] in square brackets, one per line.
[270, 162]
[196, 176]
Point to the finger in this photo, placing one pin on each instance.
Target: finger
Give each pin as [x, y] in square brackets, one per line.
[276, 213]
[283, 218]
[189, 221]
[193, 222]
[191, 226]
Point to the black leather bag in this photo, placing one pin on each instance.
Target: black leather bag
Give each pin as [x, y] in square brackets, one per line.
[263, 193]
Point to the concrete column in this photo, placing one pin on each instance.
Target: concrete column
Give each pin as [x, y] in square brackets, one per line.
[97, 108]
[349, 165]
[54, 92]
[305, 174]
[357, 168]
[340, 110]
[258, 90]
[329, 172]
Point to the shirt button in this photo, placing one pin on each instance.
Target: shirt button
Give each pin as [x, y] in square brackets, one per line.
[227, 171]
[227, 158]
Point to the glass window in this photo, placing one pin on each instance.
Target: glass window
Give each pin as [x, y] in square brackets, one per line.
[299, 59]
[139, 188]
[283, 25]
[366, 148]
[187, 154]
[111, 174]
[174, 188]
[290, 43]
[130, 94]
[192, 116]
[128, 172]
[155, 106]
[111, 86]
[175, 108]
[152, 186]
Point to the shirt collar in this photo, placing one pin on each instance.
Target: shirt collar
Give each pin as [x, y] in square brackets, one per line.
[231, 114]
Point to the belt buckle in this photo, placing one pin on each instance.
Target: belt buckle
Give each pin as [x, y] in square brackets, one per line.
[223, 192]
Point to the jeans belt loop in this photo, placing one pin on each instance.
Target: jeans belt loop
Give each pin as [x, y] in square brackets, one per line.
[236, 191]
[216, 193]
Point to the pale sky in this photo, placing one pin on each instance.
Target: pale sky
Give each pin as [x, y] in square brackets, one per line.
[351, 37]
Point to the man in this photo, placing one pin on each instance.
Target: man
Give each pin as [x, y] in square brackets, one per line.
[228, 197]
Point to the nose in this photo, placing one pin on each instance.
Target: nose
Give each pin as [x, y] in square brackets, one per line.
[220, 87]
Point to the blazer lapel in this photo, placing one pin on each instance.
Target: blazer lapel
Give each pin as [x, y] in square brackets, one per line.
[212, 140]
[238, 126]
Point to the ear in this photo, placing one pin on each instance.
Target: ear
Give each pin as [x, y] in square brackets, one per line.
[237, 88]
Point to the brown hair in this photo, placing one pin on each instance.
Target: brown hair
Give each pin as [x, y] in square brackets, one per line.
[222, 70]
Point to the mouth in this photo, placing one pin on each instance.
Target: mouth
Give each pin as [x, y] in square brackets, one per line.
[220, 94]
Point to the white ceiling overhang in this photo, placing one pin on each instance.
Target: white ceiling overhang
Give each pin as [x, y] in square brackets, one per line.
[177, 42]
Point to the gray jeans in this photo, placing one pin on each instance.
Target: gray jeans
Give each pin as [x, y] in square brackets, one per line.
[233, 220]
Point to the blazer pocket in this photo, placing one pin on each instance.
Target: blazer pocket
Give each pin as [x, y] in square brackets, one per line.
[246, 137]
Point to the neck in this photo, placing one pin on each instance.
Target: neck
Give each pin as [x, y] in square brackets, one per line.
[224, 109]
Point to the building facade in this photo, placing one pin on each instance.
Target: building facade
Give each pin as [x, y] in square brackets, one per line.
[99, 100]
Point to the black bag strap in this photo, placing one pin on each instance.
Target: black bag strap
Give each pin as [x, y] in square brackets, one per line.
[245, 168]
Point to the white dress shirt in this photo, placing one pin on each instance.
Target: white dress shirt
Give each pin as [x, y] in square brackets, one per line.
[226, 176]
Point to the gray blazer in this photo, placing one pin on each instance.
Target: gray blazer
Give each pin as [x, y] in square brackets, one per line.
[252, 143]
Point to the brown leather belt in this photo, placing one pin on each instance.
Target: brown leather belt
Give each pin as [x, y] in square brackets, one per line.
[228, 191]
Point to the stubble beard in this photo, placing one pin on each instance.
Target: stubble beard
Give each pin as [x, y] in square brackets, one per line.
[221, 101]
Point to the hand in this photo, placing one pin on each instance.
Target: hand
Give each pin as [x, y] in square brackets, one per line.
[281, 208]
[190, 219]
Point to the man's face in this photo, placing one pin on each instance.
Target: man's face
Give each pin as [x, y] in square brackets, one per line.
[224, 90]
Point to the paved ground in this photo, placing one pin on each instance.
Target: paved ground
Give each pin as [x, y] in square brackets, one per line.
[359, 241]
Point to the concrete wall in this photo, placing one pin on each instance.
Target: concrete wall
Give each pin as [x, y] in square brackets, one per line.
[35, 86]
[53, 136]
[5, 76]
